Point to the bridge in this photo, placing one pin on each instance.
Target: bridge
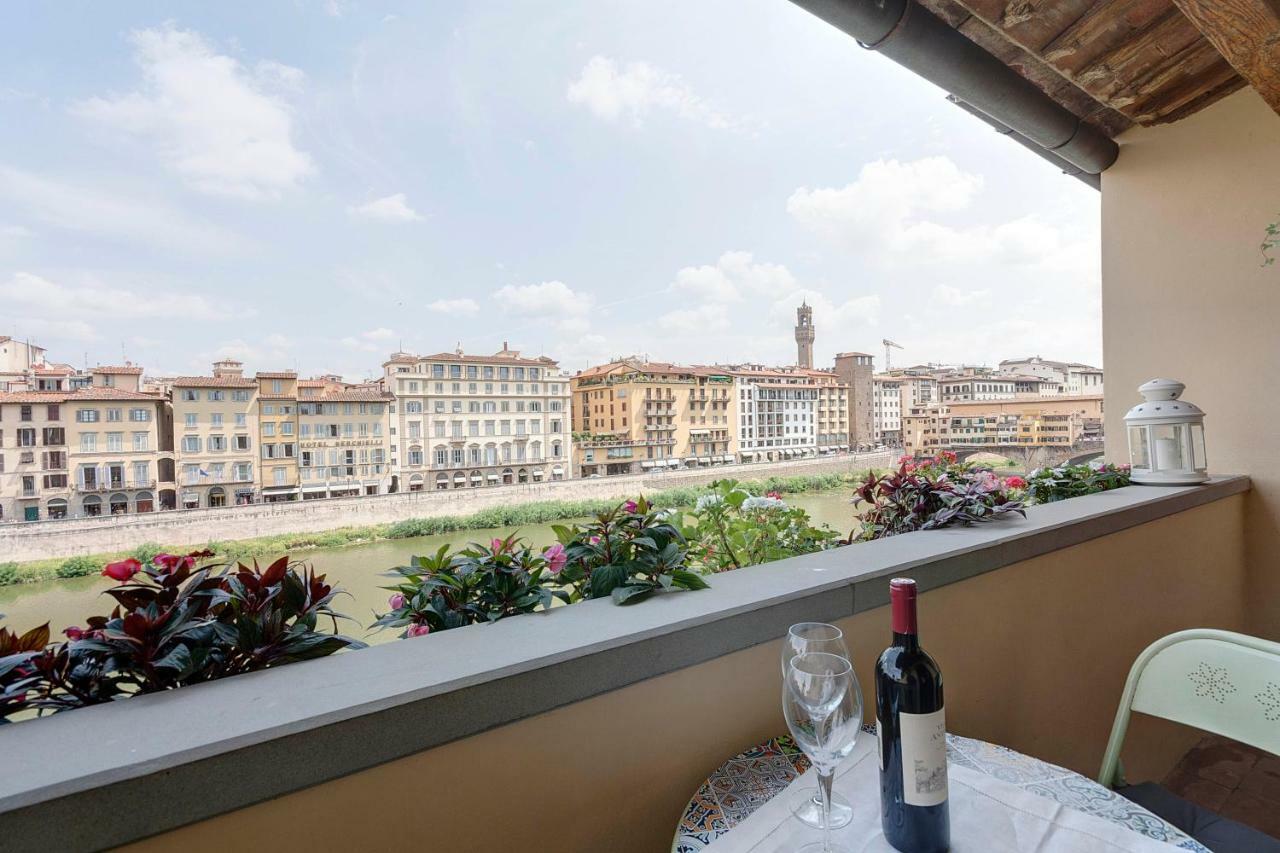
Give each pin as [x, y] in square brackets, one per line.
[1029, 457]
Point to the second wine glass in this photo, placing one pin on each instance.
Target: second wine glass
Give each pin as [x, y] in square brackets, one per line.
[823, 705]
[810, 638]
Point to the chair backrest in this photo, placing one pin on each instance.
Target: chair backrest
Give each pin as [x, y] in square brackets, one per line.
[1218, 681]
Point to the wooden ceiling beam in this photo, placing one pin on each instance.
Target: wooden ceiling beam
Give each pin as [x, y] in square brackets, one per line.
[1247, 34]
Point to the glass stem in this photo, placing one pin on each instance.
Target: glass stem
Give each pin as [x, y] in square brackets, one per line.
[824, 791]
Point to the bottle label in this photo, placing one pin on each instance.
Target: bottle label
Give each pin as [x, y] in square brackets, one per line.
[924, 758]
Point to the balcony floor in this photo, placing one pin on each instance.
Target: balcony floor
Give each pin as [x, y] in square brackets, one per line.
[1234, 780]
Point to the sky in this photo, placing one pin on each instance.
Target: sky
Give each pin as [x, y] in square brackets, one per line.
[315, 184]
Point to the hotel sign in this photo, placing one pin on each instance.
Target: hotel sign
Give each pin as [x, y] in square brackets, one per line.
[351, 442]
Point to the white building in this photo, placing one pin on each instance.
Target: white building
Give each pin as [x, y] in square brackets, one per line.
[968, 388]
[469, 421]
[887, 393]
[1072, 378]
[777, 414]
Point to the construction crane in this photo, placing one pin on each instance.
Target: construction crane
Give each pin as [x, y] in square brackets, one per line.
[888, 347]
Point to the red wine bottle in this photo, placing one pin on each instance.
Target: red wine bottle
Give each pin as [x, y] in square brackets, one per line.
[911, 734]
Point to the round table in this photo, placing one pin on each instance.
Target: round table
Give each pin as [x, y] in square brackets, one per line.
[752, 777]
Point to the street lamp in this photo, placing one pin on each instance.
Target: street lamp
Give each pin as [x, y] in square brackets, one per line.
[1166, 437]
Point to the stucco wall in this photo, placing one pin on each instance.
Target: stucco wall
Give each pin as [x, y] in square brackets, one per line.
[39, 540]
[1034, 655]
[1185, 296]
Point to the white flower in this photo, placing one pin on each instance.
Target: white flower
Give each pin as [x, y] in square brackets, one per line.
[758, 503]
[1098, 464]
[707, 501]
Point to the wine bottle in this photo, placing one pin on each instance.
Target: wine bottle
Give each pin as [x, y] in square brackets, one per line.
[911, 734]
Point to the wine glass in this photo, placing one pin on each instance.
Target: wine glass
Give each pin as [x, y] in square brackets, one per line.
[804, 637]
[823, 706]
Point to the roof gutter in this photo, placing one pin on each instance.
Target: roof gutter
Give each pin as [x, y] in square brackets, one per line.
[1071, 169]
[917, 40]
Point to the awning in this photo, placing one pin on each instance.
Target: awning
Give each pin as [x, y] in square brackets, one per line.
[648, 464]
[557, 471]
[537, 472]
[706, 460]
[493, 476]
[279, 489]
[673, 463]
[475, 478]
[315, 488]
[727, 457]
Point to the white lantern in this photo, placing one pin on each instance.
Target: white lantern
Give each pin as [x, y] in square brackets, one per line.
[1166, 437]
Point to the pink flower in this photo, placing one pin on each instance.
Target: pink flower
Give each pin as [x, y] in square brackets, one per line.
[73, 633]
[594, 540]
[498, 546]
[418, 629]
[556, 558]
[947, 456]
[774, 495]
[122, 570]
[172, 562]
[396, 601]
[1016, 483]
[630, 506]
[905, 459]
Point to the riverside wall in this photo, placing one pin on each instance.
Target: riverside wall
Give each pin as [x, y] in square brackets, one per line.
[68, 537]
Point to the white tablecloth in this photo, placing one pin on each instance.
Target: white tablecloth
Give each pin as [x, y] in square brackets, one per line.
[987, 816]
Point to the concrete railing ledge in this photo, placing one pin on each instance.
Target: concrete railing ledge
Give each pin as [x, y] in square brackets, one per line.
[76, 780]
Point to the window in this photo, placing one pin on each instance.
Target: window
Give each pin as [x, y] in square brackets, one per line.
[87, 416]
[442, 457]
[240, 442]
[189, 420]
[240, 419]
[24, 413]
[217, 396]
[215, 420]
[269, 428]
[244, 471]
[413, 407]
[286, 428]
[277, 386]
[190, 395]
[53, 412]
[141, 441]
[269, 451]
[27, 437]
[240, 396]
[191, 444]
[141, 473]
[88, 442]
[115, 442]
[217, 443]
[287, 450]
[139, 415]
[114, 415]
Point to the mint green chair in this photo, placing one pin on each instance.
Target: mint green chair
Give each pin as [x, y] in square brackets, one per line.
[1217, 681]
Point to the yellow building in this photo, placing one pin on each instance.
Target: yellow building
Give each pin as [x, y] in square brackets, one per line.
[632, 415]
[1035, 422]
[215, 421]
[344, 439]
[278, 435]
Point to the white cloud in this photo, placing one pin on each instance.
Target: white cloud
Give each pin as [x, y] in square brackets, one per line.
[455, 307]
[275, 352]
[550, 300]
[704, 320]
[112, 213]
[216, 124]
[733, 276]
[91, 309]
[392, 208]
[954, 297]
[634, 91]
[370, 341]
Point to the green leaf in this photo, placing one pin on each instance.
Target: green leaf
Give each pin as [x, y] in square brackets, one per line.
[689, 580]
[630, 593]
[606, 578]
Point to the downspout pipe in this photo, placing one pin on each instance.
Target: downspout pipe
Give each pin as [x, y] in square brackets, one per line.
[916, 39]
[1071, 169]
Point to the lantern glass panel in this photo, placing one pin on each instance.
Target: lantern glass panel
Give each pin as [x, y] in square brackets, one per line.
[1197, 447]
[1139, 451]
[1168, 445]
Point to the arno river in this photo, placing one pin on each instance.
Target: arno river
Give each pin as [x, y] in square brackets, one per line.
[359, 569]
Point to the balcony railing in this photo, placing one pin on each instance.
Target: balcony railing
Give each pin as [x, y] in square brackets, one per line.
[115, 485]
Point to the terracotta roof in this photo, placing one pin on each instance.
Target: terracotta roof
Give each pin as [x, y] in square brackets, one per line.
[277, 374]
[212, 382]
[496, 359]
[366, 395]
[86, 394]
[117, 370]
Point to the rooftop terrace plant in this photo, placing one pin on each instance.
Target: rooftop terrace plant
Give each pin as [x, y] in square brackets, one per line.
[178, 620]
[929, 494]
[1046, 485]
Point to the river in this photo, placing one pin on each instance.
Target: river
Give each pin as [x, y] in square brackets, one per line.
[359, 569]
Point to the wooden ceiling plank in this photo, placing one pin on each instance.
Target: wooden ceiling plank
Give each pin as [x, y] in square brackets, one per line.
[1031, 24]
[948, 10]
[1247, 34]
[1104, 28]
[1112, 77]
[1172, 95]
[1195, 105]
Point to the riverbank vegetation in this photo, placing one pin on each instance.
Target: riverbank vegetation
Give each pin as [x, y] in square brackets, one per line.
[514, 515]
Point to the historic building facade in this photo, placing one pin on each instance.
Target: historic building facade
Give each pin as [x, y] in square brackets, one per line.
[471, 421]
[344, 439]
[633, 415]
[215, 424]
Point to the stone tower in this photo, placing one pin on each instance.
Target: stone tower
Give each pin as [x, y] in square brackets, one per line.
[804, 336]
